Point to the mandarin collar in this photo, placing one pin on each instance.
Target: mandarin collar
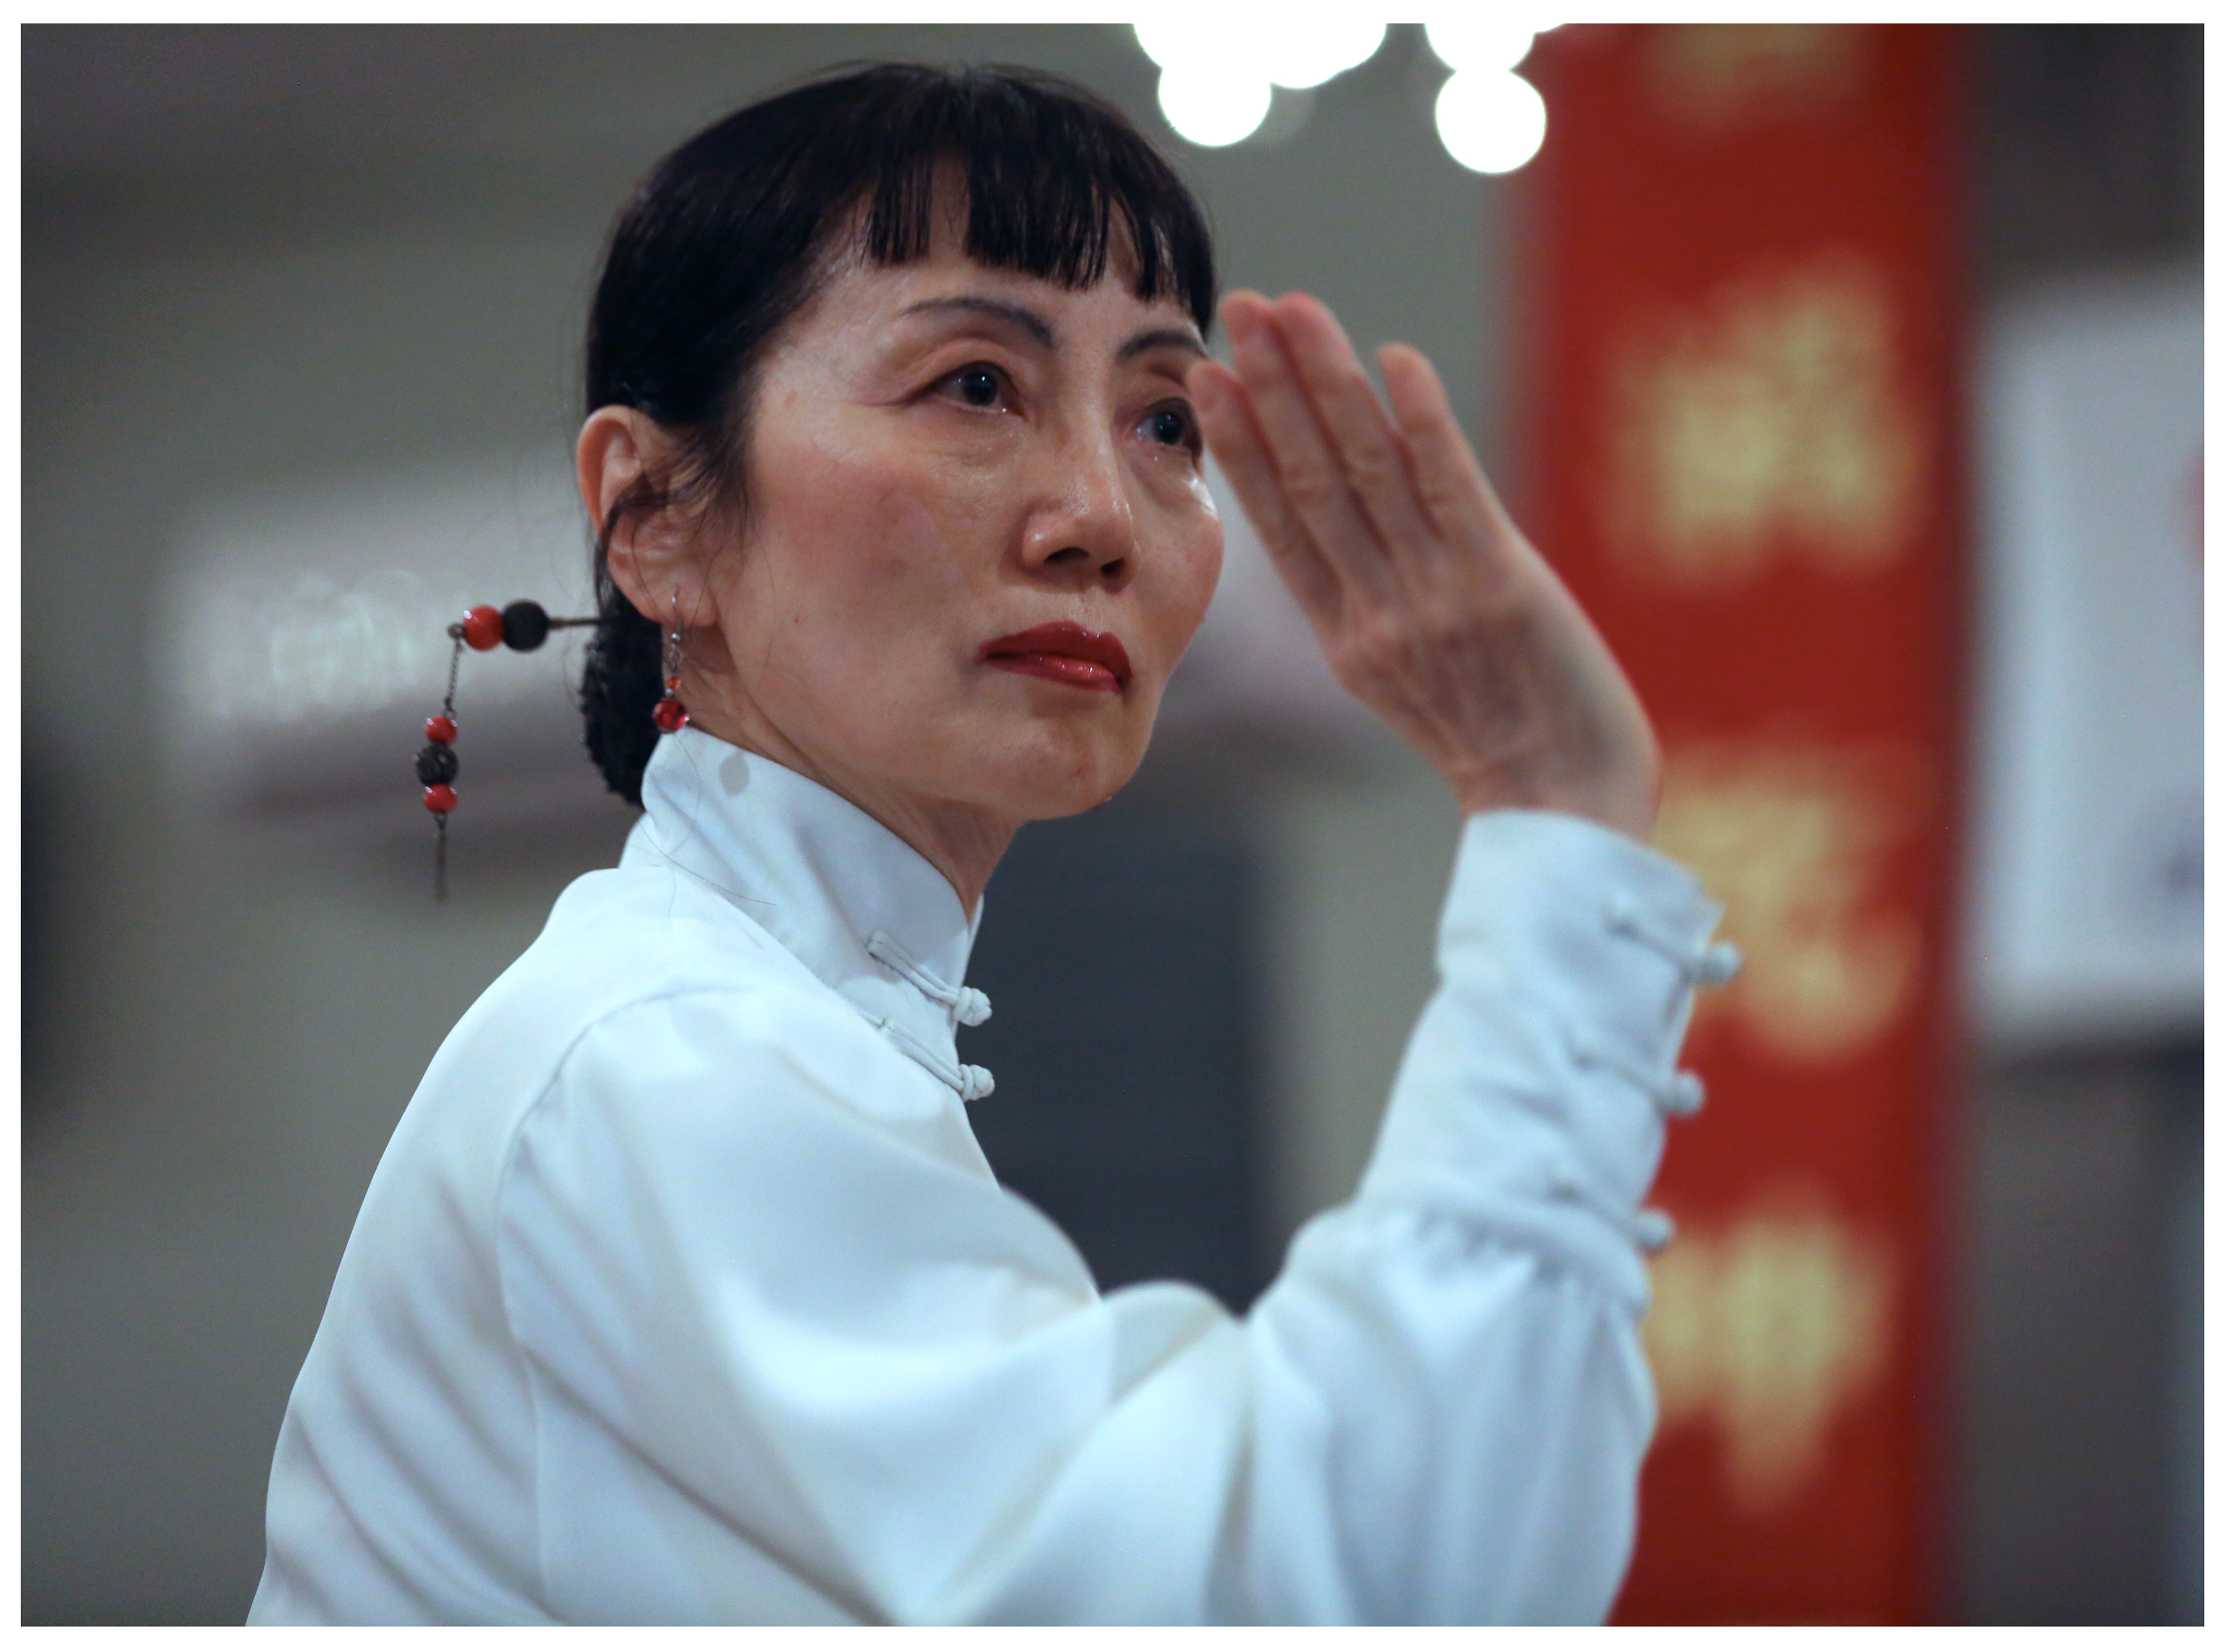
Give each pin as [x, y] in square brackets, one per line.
[824, 878]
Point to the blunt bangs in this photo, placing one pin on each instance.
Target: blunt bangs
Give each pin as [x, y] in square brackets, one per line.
[1056, 186]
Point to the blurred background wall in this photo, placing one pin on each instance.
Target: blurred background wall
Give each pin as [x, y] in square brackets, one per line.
[307, 302]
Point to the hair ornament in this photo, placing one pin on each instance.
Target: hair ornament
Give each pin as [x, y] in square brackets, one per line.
[523, 626]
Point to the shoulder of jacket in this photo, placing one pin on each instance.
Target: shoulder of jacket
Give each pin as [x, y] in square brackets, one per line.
[634, 933]
[620, 942]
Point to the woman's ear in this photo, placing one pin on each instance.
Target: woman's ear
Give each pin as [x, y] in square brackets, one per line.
[623, 454]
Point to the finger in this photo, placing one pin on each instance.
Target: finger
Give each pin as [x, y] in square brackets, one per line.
[1493, 556]
[1236, 442]
[1242, 308]
[1371, 451]
[1308, 469]
[1450, 481]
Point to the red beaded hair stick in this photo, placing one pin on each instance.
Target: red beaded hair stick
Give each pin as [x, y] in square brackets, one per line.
[524, 626]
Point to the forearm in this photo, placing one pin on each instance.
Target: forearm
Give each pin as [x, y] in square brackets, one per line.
[1453, 1358]
[1447, 1429]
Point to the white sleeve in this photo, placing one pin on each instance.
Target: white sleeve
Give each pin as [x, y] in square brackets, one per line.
[775, 1334]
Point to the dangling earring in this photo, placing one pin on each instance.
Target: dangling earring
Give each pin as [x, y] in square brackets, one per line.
[523, 626]
[668, 713]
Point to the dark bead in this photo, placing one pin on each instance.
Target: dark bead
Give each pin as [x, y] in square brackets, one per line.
[668, 715]
[440, 728]
[526, 626]
[482, 627]
[437, 766]
[441, 799]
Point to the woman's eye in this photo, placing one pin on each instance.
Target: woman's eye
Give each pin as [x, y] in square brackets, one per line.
[1172, 426]
[978, 385]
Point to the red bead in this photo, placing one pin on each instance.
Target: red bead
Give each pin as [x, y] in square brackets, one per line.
[442, 731]
[483, 627]
[670, 715]
[441, 799]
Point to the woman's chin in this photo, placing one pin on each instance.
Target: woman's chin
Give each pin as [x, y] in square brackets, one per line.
[1054, 778]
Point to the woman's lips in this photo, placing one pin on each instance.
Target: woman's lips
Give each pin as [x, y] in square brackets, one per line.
[1064, 652]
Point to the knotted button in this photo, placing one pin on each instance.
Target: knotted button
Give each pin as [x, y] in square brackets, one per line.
[1719, 962]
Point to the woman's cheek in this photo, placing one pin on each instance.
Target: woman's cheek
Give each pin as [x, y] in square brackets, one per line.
[1199, 569]
[937, 524]
[884, 555]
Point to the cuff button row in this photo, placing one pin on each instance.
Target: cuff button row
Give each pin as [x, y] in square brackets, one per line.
[1652, 1230]
[1678, 1095]
[1711, 966]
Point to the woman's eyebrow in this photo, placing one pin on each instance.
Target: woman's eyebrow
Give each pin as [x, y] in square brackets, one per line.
[1016, 315]
[1162, 338]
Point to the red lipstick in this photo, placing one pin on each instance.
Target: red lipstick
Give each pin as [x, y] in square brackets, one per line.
[1064, 652]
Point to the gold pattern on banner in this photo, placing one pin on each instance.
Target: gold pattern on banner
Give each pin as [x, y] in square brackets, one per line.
[1771, 418]
[1711, 74]
[1767, 1328]
[1792, 838]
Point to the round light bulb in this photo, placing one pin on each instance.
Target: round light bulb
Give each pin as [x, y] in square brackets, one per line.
[1164, 42]
[1225, 43]
[1474, 42]
[1213, 106]
[1491, 120]
[1305, 51]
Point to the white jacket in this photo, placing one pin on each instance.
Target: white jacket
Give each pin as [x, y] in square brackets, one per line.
[683, 1292]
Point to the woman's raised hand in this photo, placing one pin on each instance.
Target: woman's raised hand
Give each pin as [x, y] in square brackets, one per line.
[1432, 609]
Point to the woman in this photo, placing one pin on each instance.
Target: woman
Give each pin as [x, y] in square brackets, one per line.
[682, 1292]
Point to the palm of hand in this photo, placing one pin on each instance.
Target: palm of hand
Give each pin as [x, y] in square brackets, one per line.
[1431, 606]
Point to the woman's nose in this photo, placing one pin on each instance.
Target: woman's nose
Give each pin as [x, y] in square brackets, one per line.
[1085, 529]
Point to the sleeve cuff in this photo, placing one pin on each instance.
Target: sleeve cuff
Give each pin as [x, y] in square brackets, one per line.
[1609, 931]
[1536, 1085]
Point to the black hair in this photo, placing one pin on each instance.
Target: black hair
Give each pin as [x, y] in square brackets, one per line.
[722, 243]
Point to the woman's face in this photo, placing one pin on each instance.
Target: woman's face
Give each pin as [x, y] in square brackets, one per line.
[977, 543]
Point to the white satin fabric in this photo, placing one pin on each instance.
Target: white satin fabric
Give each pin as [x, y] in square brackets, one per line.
[684, 1294]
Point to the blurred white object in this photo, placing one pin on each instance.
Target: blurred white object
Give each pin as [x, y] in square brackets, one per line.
[1193, 40]
[1491, 120]
[302, 636]
[2087, 885]
[1306, 51]
[1216, 75]
[1297, 52]
[1480, 41]
[1214, 105]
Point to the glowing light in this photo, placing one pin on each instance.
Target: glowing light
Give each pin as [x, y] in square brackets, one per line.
[1164, 42]
[1200, 43]
[1216, 75]
[1489, 119]
[1475, 41]
[1212, 105]
[1301, 54]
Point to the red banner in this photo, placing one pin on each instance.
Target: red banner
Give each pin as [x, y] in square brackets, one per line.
[1741, 441]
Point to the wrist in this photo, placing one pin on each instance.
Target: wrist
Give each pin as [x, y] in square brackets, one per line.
[1629, 809]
